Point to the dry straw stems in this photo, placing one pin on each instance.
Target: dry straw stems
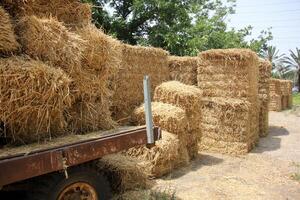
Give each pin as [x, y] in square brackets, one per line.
[8, 42]
[71, 12]
[33, 99]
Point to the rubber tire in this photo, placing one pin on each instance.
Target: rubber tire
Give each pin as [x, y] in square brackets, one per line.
[49, 188]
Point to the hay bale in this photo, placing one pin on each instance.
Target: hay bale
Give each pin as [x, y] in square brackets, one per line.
[71, 12]
[167, 155]
[123, 172]
[226, 125]
[33, 99]
[275, 102]
[8, 42]
[229, 73]
[232, 73]
[184, 69]
[128, 84]
[100, 63]
[168, 117]
[50, 41]
[265, 68]
[188, 98]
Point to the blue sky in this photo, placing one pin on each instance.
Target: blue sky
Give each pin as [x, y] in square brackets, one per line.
[282, 15]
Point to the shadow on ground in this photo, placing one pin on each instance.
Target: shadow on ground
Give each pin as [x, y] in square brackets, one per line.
[273, 141]
[200, 161]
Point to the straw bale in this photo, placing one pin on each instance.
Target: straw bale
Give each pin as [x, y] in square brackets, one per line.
[265, 68]
[100, 63]
[71, 12]
[123, 172]
[167, 155]
[229, 73]
[168, 117]
[275, 102]
[50, 41]
[33, 99]
[184, 69]
[102, 53]
[8, 42]
[188, 98]
[128, 84]
[226, 125]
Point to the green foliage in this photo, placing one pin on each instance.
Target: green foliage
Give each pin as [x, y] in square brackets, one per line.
[296, 99]
[183, 27]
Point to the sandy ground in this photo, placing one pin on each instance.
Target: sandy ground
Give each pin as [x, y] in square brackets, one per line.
[265, 173]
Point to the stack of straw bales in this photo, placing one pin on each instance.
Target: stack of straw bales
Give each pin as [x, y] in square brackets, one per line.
[188, 98]
[286, 91]
[280, 94]
[231, 75]
[67, 73]
[265, 68]
[33, 98]
[128, 83]
[89, 66]
[171, 151]
[8, 42]
[275, 95]
[71, 12]
[184, 69]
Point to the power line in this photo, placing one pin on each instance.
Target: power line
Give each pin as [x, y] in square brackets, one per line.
[266, 4]
[271, 20]
[278, 11]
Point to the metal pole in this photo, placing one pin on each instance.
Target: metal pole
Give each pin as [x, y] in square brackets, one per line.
[148, 111]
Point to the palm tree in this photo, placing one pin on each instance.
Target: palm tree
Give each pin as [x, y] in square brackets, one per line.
[272, 54]
[293, 62]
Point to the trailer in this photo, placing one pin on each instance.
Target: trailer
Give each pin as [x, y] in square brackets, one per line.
[67, 171]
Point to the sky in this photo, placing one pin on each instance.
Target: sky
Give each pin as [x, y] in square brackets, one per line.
[282, 15]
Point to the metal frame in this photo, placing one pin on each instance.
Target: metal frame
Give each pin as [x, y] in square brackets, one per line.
[24, 166]
[148, 110]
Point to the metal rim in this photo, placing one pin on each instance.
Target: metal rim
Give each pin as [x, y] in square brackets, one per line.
[78, 191]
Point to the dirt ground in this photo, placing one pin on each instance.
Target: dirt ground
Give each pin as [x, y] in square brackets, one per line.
[265, 173]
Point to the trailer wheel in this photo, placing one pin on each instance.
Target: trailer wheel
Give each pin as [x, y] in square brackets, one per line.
[84, 183]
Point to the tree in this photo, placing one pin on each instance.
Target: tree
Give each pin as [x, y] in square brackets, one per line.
[294, 63]
[183, 27]
[272, 54]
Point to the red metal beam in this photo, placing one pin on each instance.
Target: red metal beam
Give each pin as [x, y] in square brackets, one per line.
[22, 167]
